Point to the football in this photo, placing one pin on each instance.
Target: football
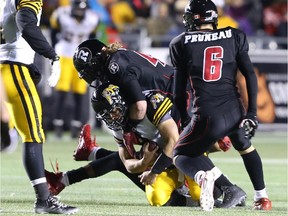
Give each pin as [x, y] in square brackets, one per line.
[152, 145]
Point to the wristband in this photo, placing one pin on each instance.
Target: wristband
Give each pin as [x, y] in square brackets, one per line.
[161, 163]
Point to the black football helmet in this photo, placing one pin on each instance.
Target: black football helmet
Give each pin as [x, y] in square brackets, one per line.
[199, 12]
[89, 60]
[78, 8]
[106, 99]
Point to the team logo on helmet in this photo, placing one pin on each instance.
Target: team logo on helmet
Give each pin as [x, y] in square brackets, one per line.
[155, 99]
[84, 54]
[111, 93]
[113, 68]
[212, 16]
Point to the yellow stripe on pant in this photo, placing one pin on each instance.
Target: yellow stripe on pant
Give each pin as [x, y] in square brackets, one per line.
[23, 103]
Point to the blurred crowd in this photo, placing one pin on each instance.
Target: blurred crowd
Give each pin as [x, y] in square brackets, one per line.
[161, 20]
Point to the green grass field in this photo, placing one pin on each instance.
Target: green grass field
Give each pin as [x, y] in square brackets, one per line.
[114, 194]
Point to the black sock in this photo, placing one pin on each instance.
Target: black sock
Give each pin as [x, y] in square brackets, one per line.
[41, 191]
[101, 167]
[253, 165]
[34, 165]
[103, 153]
[77, 175]
[223, 181]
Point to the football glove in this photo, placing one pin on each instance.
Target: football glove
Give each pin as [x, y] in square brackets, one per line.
[250, 124]
[130, 139]
[55, 71]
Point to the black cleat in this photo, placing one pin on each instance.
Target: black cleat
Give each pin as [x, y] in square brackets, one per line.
[53, 206]
[232, 196]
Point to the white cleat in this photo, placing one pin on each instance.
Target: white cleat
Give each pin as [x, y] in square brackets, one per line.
[207, 186]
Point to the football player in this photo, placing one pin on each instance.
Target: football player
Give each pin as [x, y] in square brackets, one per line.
[157, 131]
[137, 74]
[22, 38]
[71, 24]
[208, 58]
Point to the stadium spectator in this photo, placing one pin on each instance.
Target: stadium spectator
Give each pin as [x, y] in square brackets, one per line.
[211, 67]
[122, 14]
[275, 18]
[243, 11]
[159, 24]
[22, 38]
[224, 20]
[71, 25]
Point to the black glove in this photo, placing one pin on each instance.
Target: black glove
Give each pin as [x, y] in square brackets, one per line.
[250, 125]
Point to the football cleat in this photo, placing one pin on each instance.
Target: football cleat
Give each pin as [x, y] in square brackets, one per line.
[55, 185]
[85, 144]
[224, 143]
[232, 196]
[262, 204]
[207, 186]
[53, 206]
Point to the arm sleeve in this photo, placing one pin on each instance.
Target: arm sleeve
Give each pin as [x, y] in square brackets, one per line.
[132, 91]
[26, 19]
[246, 67]
[247, 70]
[180, 81]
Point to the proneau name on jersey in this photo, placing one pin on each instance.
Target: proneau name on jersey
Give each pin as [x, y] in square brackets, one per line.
[191, 38]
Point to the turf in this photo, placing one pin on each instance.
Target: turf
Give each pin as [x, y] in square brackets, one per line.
[114, 194]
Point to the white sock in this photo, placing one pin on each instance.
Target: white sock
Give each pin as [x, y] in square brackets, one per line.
[65, 179]
[92, 155]
[217, 172]
[260, 194]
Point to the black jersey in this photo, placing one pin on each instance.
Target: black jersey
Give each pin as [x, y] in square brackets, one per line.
[210, 59]
[138, 74]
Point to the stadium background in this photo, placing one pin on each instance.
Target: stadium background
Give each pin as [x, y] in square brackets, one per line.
[135, 27]
[113, 194]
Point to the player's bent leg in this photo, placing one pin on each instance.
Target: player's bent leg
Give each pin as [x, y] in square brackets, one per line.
[159, 193]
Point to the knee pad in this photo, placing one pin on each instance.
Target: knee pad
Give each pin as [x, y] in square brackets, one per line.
[239, 142]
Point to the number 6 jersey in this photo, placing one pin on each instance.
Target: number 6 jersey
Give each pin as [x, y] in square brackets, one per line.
[209, 60]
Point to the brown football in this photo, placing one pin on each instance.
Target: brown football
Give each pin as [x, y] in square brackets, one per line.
[152, 145]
